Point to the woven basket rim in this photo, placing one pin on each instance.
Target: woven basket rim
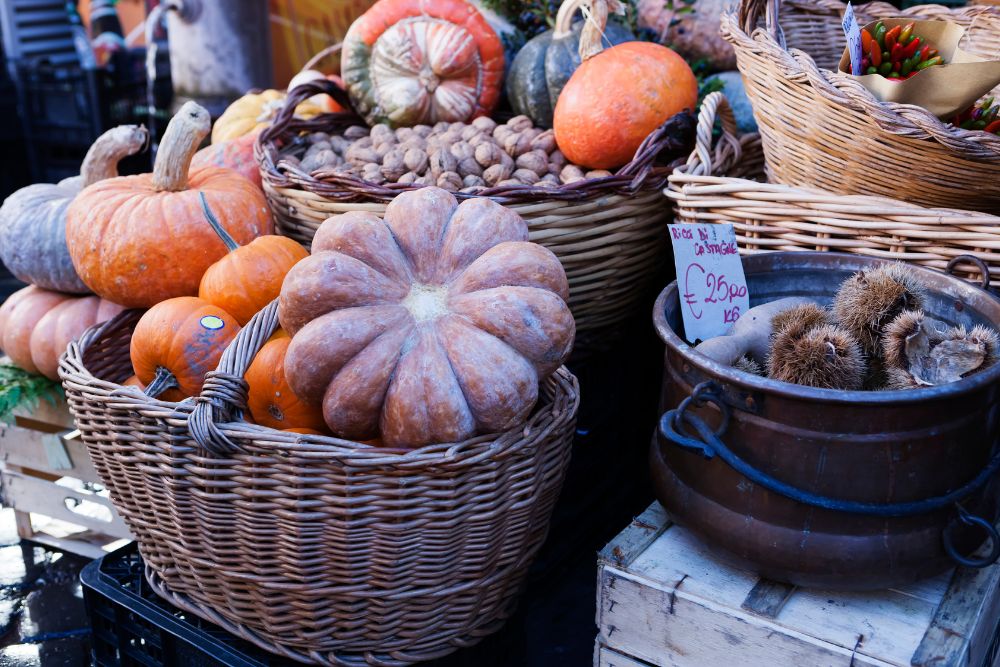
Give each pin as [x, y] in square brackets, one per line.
[902, 119]
[559, 387]
[642, 173]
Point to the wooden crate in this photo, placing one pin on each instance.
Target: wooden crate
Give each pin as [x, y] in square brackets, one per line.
[46, 477]
[664, 600]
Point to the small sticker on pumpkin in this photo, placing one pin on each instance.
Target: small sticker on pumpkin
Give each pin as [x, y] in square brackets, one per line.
[211, 322]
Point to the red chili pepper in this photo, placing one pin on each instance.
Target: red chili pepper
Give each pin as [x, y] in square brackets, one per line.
[925, 53]
[866, 41]
[897, 53]
[876, 54]
[911, 48]
[933, 52]
[891, 37]
[993, 127]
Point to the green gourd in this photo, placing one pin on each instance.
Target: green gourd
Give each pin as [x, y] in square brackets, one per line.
[544, 65]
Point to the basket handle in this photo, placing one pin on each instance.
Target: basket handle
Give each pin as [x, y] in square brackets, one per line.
[224, 394]
[749, 15]
[710, 157]
[316, 59]
[673, 136]
[297, 96]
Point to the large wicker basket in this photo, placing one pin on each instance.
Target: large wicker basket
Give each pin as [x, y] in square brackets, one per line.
[714, 186]
[609, 233]
[321, 550]
[821, 128]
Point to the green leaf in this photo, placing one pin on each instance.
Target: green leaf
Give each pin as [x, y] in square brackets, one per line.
[21, 389]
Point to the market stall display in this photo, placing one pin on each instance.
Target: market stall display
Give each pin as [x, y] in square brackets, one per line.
[821, 128]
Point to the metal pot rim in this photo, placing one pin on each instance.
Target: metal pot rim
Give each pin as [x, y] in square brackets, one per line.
[755, 383]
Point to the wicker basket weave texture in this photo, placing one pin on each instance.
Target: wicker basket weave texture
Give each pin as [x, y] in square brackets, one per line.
[320, 550]
[821, 128]
[609, 233]
[721, 183]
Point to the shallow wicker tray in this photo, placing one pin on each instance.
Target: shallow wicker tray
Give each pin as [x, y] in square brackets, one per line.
[609, 233]
[722, 182]
[318, 549]
[821, 128]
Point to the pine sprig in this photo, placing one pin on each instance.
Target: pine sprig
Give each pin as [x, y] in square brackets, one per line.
[21, 389]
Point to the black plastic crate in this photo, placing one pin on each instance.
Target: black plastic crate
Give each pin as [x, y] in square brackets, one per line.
[131, 625]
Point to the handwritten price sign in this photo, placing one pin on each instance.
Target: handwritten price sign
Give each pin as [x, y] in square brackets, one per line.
[710, 277]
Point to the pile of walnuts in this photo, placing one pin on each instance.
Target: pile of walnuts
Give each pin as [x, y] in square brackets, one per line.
[466, 157]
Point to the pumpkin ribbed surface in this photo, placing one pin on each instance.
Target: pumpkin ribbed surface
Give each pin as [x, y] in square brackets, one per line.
[431, 325]
[408, 62]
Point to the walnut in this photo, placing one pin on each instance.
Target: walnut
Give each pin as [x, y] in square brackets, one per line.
[535, 160]
[517, 144]
[393, 165]
[484, 123]
[339, 144]
[478, 139]
[448, 138]
[422, 130]
[383, 133]
[441, 126]
[469, 167]
[488, 154]
[519, 123]
[383, 149]
[497, 173]
[356, 132]
[407, 179]
[546, 141]
[598, 173]
[501, 132]
[363, 142]
[316, 148]
[416, 141]
[317, 137]
[360, 155]
[557, 159]
[415, 160]
[471, 189]
[549, 180]
[290, 159]
[404, 133]
[319, 160]
[508, 182]
[473, 181]
[470, 131]
[373, 174]
[423, 180]
[462, 150]
[571, 174]
[526, 176]
[441, 161]
[450, 181]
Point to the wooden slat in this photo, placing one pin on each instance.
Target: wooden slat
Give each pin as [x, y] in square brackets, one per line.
[605, 657]
[956, 636]
[30, 494]
[632, 541]
[34, 449]
[767, 598]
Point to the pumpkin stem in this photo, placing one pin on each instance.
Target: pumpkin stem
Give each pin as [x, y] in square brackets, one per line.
[162, 381]
[185, 132]
[564, 17]
[104, 154]
[217, 227]
[596, 15]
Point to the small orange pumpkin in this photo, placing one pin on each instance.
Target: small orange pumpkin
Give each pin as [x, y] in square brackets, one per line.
[177, 342]
[64, 323]
[271, 401]
[19, 316]
[137, 240]
[617, 97]
[250, 276]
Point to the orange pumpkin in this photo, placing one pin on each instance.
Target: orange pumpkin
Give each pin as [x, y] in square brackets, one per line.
[177, 342]
[64, 323]
[137, 240]
[236, 154]
[250, 276]
[19, 316]
[271, 400]
[616, 98]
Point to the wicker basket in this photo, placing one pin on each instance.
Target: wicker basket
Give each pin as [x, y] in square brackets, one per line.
[318, 549]
[609, 233]
[714, 186]
[821, 128]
